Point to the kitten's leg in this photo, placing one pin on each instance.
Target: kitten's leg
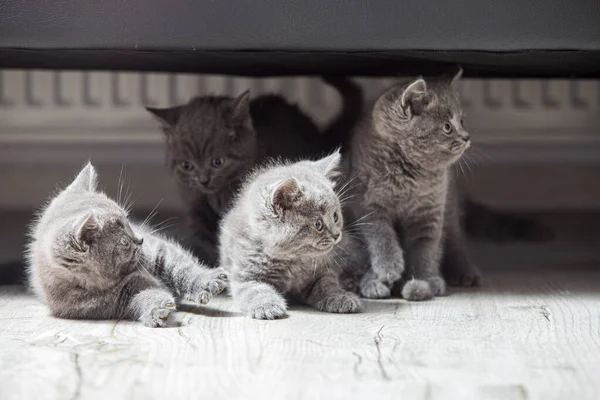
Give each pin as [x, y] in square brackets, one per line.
[424, 244]
[386, 255]
[137, 297]
[457, 268]
[259, 300]
[327, 295]
[180, 270]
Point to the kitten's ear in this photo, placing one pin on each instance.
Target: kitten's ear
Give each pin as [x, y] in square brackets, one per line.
[415, 98]
[457, 77]
[168, 117]
[86, 180]
[330, 165]
[241, 105]
[284, 194]
[87, 228]
[240, 109]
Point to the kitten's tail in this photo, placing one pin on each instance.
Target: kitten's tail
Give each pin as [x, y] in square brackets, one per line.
[339, 130]
[482, 222]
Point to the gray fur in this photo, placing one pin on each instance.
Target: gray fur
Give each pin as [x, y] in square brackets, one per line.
[86, 260]
[273, 250]
[242, 133]
[400, 160]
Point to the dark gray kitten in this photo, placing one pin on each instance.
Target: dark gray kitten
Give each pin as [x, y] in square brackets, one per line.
[86, 260]
[213, 141]
[284, 238]
[400, 160]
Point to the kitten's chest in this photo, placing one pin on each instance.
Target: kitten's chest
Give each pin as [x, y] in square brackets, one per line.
[405, 194]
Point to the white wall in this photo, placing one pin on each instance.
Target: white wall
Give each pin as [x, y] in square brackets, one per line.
[538, 141]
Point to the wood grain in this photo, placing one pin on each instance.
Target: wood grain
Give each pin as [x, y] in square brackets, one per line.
[526, 335]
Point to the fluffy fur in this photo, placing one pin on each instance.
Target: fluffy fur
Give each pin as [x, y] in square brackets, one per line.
[213, 141]
[86, 260]
[284, 238]
[400, 159]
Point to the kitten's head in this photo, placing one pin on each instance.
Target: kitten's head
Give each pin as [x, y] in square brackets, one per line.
[425, 120]
[300, 212]
[210, 141]
[102, 241]
[105, 243]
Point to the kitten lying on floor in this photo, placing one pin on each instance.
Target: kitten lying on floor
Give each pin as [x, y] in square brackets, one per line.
[284, 237]
[87, 260]
[213, 141]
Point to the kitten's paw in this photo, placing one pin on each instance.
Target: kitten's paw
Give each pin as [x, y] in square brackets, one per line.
[374, 289]
[340, 303]
[438, 285]
[158, 317]
[417, 290]
[468, 276]
[268, 311]
[210, 283]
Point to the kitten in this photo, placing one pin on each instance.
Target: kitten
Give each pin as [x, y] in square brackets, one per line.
[213, 141]
[400, 159]
[86, 260]
[282, 239]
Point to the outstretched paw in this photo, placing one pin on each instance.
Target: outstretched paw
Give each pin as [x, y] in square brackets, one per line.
[209, 283]
[417, 290]
[158, 317]
[269, 309]
[340, 303]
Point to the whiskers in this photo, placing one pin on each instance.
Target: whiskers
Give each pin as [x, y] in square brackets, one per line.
[126, 203]
[469, 160]
[344, 193]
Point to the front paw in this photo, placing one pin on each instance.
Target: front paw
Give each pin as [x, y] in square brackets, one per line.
[374, 289]
[158, 317]
[340, 303]
[209, 283]
[267, 306]
[417, 290]
[268, 311]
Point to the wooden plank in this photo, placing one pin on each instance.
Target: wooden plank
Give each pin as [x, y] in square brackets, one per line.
[531, 335]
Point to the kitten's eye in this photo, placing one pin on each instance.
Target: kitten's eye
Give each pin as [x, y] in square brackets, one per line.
[335, 217]
[187, 166]
[218, 162]
[447, 128]
[124, 241]
[319, 225]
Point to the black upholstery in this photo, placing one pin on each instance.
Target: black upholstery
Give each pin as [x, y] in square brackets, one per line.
[266, 37]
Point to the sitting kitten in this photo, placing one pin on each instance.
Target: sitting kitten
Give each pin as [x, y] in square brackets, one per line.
[283, 237]
[213, 141]
[86, 260]
[400, 157]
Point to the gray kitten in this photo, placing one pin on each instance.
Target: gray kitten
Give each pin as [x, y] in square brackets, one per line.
[213, 141]
[400, 159]
[283, 238]
[86, 260]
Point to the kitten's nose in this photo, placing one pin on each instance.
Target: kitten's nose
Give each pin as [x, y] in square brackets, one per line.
[139, 241]
[466, 137]
[335, 236]
[203, 179]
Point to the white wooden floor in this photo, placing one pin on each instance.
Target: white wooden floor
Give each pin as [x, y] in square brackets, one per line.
[526, 335]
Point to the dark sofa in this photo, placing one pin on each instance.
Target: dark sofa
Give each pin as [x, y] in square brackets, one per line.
[507, 38]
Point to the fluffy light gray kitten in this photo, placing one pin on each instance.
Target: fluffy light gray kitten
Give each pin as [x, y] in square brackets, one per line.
[283, 239]
[401, 156]
[86, 260]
